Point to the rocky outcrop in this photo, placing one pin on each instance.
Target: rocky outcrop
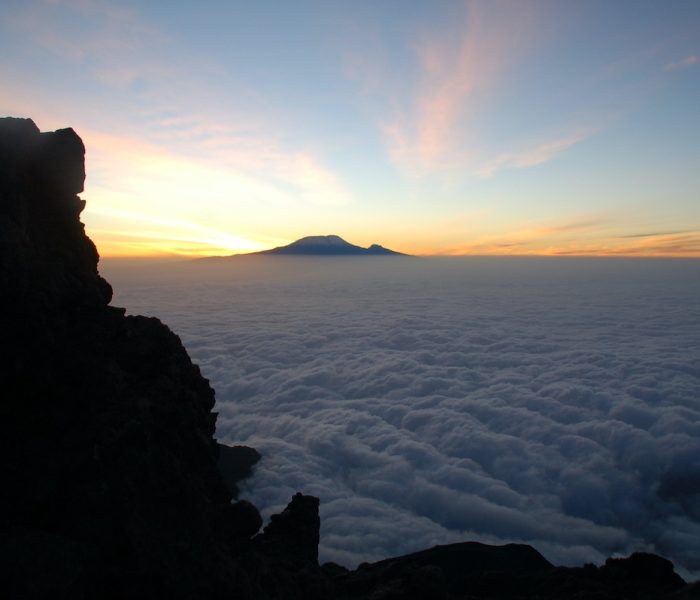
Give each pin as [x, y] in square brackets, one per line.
[284, 557]
[111, 487]
[511, 572]
[294, 533]
[235, 464]
[111, 482]
[445, 571]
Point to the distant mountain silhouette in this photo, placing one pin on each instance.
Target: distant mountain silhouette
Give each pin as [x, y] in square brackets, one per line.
[328, 245]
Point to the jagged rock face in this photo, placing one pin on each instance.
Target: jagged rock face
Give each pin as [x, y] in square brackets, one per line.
[236, 463]
[285, 556]
[47, 262]
[295, 531]
[109, 464]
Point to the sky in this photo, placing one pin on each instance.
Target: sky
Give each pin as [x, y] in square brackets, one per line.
[567, 127]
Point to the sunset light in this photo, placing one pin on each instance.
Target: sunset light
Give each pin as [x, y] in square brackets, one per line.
[394, 128]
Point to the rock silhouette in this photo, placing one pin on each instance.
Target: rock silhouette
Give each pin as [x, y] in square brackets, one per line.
[235, 464]
[111, 483]
[112, 479]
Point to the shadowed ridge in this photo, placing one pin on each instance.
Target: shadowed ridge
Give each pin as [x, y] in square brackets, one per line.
[467, 558]
[510, 572]
[453, 564]
[381, 250]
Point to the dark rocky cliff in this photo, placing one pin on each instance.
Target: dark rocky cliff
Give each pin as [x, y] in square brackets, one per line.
[110, 486]
[109, 466]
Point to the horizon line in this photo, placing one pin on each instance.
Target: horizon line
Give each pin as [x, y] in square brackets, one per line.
[195, 256]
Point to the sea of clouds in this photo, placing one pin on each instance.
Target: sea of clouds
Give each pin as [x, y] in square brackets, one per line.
[554, 402]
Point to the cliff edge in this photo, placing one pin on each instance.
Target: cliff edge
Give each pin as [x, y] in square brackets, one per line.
[109, 465]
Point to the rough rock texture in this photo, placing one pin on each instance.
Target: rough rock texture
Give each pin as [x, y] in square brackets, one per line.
[111, 486]
[109, 469]
[106, 424]
[446, 571]
[235, 464]
[511, 572]
[284, 558]
[295, 530]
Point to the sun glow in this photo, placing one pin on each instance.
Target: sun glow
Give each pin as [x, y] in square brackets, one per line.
[200, 144]
[147, 200]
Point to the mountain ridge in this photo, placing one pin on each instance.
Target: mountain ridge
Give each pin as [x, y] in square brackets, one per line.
[325, 245]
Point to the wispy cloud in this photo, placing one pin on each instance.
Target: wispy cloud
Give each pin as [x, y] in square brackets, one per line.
[129, 232]
[534, 155]
[688, 61]
[430, 120]
[452, 72]
[687, 244]
[594, 235]
[229, 187]
[656, 233]
[160, 140]
[110, 41]
[534, 238]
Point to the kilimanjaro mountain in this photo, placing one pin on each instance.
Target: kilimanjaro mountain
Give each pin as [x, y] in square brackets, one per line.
[328, 245]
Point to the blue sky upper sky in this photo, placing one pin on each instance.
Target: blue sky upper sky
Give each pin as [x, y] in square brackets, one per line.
[430, 127]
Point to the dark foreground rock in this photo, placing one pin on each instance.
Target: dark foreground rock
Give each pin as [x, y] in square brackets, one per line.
[236, 464]
[511, 572]
[109, 466]
[111, 482]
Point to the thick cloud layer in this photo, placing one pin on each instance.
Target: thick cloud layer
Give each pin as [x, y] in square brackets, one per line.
[548, 401]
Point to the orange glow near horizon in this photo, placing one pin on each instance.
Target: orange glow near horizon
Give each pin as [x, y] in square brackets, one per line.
[474, 128]
[122, 244]
[148, 201]
[144, 244]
